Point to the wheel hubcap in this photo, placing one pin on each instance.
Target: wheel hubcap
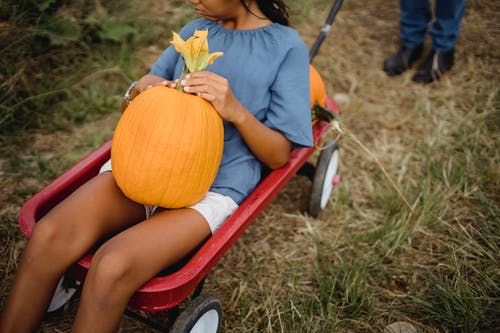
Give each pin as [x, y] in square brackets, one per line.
[208, 323]
[328, 184]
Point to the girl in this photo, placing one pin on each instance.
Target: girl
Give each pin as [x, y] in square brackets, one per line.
[260, 87]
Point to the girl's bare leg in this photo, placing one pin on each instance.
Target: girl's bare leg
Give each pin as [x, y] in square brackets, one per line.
[66, 233]
[129, 259]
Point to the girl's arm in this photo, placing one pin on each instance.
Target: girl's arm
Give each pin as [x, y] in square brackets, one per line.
[270, 146]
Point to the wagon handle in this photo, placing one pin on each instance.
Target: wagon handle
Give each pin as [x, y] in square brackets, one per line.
[325, 29]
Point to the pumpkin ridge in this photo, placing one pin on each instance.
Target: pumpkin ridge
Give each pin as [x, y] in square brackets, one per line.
[144, 119]
[165, 163]
[148, 135]
[120, 165]
[120, 141]
[162, 167]
[200, 186]
[211, 163]
[205, 144]
[179, 152]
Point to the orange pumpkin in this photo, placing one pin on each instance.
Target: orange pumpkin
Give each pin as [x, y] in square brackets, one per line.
[167, 148]
[317, 87]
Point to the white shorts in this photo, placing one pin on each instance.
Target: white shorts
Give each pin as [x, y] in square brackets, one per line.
[214, 207]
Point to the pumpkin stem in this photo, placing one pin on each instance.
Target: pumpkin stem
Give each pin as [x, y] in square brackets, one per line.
[185, 71]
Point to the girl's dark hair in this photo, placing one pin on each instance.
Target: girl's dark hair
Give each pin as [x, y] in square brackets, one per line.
[275, 10]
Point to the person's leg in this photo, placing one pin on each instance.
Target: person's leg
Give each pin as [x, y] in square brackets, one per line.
[61, 237]
[446, 26]
[129, 259]
[414, 17]
[444, 32]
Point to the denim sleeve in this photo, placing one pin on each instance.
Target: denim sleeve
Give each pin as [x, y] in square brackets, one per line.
[289, 110]
[165, 65]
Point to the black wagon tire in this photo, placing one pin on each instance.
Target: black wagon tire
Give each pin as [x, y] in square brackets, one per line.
[202, 315]
[324, 177]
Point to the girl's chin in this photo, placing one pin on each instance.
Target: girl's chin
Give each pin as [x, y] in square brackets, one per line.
[206, 15]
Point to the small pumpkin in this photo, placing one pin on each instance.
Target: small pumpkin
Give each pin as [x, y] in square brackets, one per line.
[167, 145]
[317, 87]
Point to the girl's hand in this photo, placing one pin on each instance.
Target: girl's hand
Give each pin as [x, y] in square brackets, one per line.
[215, 89]
[149, 81]
[146, 82]
[166, 83]
[269, 145]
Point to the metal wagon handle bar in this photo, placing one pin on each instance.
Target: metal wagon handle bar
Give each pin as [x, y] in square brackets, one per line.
[325, 29]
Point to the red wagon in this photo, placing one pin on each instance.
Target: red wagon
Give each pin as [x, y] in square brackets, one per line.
[185, 280]
[168, 291]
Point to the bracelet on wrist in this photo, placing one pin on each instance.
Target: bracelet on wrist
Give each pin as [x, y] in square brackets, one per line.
[126, 97]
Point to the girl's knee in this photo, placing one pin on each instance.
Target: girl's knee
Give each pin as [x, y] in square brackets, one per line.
[110, 271]
[45, 239]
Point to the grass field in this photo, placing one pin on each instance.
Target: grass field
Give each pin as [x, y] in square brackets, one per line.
[368, 260]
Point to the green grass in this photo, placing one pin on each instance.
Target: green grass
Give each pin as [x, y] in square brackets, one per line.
[463, 289]
[368, 260]
[73, 61]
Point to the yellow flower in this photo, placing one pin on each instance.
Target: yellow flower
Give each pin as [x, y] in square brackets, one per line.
[195, 50]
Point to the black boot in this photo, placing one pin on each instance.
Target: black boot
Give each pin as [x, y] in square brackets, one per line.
[402, 60]
[434, 66]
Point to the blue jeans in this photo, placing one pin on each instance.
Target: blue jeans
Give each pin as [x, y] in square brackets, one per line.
[416, 16]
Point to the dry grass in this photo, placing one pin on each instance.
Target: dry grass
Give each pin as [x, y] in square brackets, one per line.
[367, 261]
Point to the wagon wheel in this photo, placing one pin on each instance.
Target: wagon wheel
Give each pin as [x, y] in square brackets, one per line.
[65, 290]
[325, 178]
[202, 315]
